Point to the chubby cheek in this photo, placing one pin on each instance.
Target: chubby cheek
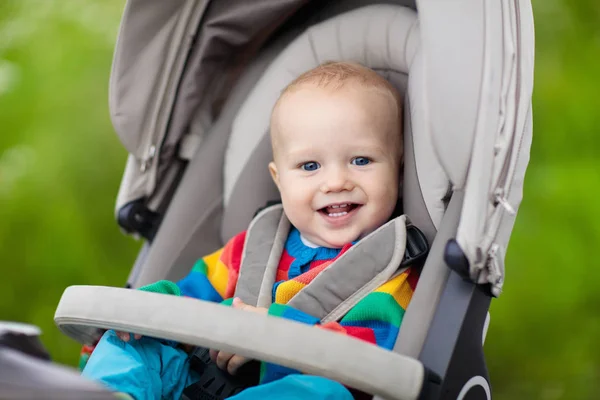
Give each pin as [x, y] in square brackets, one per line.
[385, 200]
[296, 202]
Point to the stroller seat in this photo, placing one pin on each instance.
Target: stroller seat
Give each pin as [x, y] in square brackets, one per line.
[467, 130]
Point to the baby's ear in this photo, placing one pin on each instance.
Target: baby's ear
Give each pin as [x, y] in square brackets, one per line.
[274, 173]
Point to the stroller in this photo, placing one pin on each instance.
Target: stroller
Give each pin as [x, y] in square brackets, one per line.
[192, 87]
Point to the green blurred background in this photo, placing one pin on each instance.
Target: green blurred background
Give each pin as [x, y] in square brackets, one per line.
[61, 164]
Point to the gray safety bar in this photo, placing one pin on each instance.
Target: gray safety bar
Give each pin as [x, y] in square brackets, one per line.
[84, 309]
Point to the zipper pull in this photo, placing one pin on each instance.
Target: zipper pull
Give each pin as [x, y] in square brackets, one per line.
[495, 267]
[501, 199]
[148, 160]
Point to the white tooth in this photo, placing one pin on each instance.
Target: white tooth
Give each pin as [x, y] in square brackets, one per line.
[340, 214]
[335, 206]
[343, 205]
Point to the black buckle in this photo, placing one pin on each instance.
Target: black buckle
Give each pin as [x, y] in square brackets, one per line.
[216, 384]
[417, 246]
[135, 217]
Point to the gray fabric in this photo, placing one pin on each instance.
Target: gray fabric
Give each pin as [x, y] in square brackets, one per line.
[169, 177]
[361, 35]
[265, 297]
[24, 378]
[383, 37]
[434, 275]
[488, 51]
[363, 268]
[171, 253]
[169, 68]
[187, 54]
[265, 240]
[147, 87]
[231, 33]
[192, 224]
[429, 177]
[174, 66]
[250, 193]
[19, 328]
[412, 194]
[490, 204]
[315, 351]
[513, 197]
[133, 184]
[153, 54]
[459, 47]
[138, 264]
[480, 54]
[148, 52]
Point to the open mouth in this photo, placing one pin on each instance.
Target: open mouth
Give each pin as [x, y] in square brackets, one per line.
[339, 209]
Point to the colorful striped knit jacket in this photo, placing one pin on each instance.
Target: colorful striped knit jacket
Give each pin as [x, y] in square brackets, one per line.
[375, 319]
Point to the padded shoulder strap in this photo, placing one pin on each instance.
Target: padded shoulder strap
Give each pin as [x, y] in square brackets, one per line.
[363, 268]
[263, 247]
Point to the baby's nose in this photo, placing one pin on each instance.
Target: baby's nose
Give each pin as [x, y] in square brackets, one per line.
[336, 181]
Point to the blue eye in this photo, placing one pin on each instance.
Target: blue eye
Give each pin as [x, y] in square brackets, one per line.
[360, 161]
[310, 166]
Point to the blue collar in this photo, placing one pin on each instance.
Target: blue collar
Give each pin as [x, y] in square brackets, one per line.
[296, 248]
[303, 254]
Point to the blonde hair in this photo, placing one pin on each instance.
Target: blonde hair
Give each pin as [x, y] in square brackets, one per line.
[334, 75]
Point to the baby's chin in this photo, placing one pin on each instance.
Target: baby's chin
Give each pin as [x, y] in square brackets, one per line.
[336, 241]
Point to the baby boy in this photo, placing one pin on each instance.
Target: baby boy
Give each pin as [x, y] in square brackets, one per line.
[336, 134]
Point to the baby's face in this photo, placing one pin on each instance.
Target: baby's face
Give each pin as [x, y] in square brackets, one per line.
[335, 162]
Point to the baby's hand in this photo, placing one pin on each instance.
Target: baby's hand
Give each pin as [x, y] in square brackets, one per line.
[232, 362]
[126, 336]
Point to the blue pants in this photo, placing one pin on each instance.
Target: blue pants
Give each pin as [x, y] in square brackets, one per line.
[294, 387]
[149, 369]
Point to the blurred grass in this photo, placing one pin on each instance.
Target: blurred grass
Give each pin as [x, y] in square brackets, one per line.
[542, 342]
[61, 163]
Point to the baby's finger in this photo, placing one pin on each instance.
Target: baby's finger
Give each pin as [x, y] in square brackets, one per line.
[137, 336]
[238, 303]
[223, 359]
[235, 363]
[124, 336]
[213, 355]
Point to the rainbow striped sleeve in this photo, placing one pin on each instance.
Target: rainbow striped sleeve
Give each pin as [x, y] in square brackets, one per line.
[213, 278]
[270, 372]
[377, 317]
[285, 311]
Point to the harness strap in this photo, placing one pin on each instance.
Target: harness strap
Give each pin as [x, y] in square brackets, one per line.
[367, 265]
[363, 268]
[265, 240]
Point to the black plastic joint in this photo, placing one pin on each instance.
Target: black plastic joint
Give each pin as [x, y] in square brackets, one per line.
[135, 217]
[417, 246]
[432, 384]
[455, 258]
[25, 343]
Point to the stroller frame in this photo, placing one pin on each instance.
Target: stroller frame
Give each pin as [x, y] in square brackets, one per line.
[444, 353]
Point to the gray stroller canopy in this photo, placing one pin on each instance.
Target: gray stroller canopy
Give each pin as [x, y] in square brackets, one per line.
[192, 87]
[470, 78]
